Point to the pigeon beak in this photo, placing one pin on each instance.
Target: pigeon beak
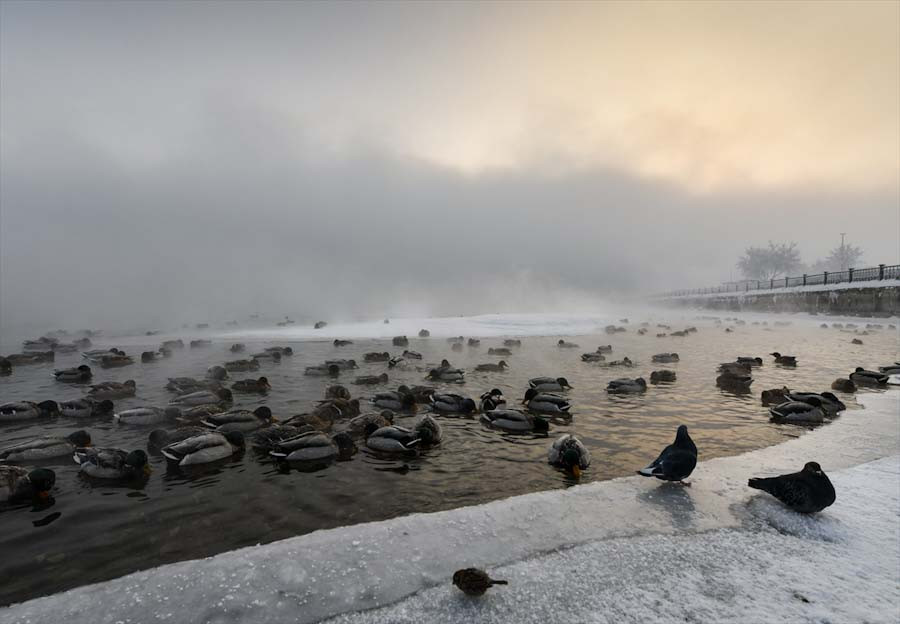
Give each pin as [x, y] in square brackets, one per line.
[576, 471]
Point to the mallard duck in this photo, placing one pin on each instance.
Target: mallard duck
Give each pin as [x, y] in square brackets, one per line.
[184, 385]
[241, 366]
[428, 430]
[28, 410]
[159, 438]
[749, 361]
[150, 356]
[204, 448]
[492, 400]
[19, 485]
[275, 356]
[662, 376]
[499, 351]
[266, 438]
[24, 359]
[803, 412]
[549, 384]
[856, 341]
[400, 341]
[357, 426]
[196, 413]
[384, 356]
[592, 357]
[893, 369]
[78, 374]
[45, 447]
[676, 462]
[775, 396]
[546, 402]
[473, 342]
[5, 366]
[112, 463]
[424, 333]
[237, 347]
[337, 392]
[863, 377]
[343, 408]
[172, 344]
[240, 420]
[514, 421]
[392, 439]
[474, 582]
[626, 386]
[626, 362]
[323, 370]
[784, 360]
[829, 403]
[203, 397]
[86, 408]
[318, 325]
[843, 385]
[734, 379]
[562, 344]
[807, 491]
[251, 385]
[452, 403]
[512, 342]
[195, 344]
[456, 340]
[664, 358]
[113, 390]
[283, 351]
[143, 416]
[97, 354]
[604, 349]
[115, 361]
[217, 373]
[412, 355]
[570, 453]
[493, 368]
[342, 364]
[342, 343]
[371, 380]
[314, 446]
[447, 375]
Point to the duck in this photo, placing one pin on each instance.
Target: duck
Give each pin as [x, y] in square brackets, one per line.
[216, 373]
[569, 453]
[893, 369]
[196, 413]
[784, 360]
[241, 366]
[734, 379]
[392, 439]
[150, 356]
[357, 426]
[502, 351]
[473, 342]
[452, 403]
[562, 344]
[18, 484]
[24, 359]
[275, 356]
[172, 344]
[314, 446]
[676, 462]
[798, 412]
[424, 333]
[202, 449]
[428, 431]
[400, 341]
[97, 354]
[843, 385]
[266, 438]
[492, 400]
[626, 362]
[447, 375]
[750, 361]
[342, 343]
[112, 463]
[86, 408]
[624, 385]
[78, 374]
[323, 370]
[251, 385]
[337, 392]
[115, 361]
[342, 364]
[160, 438]
[604, 349]
[456, 340]
[515, 421]
[237, 347]
[113, 390]
[662, 376]
[592, 357]
[492, 368]
[28, 410]
[663, 358]
[5, 366]
[45, 447]
[775, 396]
[829, 403]
[147, 415]
[371, 380]
[411, 355]
[203, 397]
[545, 402]
[422, 394]
[863, 377]
[734, 368]
[283, 351]
[240, 420]
[202, 342]
[184, 385]
[549, 384]
[512, 342]
[342, 408]
[807, 491]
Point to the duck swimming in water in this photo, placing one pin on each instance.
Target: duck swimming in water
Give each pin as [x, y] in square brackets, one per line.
[86, 408]
[863, 377]
[447, 374]
[392, 439]
[203, 397]
[28, 410]
[562, 344]
[662, 376]
[549, 384]
[240, 366]
[411, 355]
[251, 385]
[400, 400]
[592, 357]
[323, 370]
[452, 403]
[664, 358]
[843, 385]
[205, 448]
[112, 463]
[492, 368]
[784, 360]
[829, 403]
[502, 351]
[45, 447]
[244, 421]
[515, 421]
[78, 374]
[569, 453]
[371, 380]
[798, 412]
[545, 402]
[19, 485]
[142, 416]
[314, 446]
[626, 386]
[113, 390]
[492, 400]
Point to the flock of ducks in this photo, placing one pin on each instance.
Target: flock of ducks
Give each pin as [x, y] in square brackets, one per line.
[200, 425]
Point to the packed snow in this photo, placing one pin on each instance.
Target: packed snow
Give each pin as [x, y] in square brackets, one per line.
[630, 549]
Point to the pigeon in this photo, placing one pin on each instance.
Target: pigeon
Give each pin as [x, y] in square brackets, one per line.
[807, 491]
[677, 461]
[474, 582]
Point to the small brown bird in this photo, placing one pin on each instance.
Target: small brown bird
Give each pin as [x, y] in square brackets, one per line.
[474, 582]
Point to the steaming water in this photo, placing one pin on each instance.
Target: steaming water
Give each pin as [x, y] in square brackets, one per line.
[97, 531]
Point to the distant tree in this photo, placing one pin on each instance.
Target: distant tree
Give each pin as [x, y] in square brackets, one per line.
[840, 258]
[772, 262]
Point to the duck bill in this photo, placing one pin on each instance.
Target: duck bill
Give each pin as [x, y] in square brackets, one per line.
[43, 495]
[576, 472]
[147, 470]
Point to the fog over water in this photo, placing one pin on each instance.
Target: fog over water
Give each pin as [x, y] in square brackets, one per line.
[182, 163]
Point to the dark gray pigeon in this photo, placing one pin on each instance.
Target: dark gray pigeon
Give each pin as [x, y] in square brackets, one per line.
[677, 461]
[807, 491]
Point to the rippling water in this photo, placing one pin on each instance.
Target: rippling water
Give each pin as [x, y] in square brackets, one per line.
[96, 531]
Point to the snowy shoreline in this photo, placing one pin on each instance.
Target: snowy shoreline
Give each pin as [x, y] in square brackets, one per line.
[339, 571]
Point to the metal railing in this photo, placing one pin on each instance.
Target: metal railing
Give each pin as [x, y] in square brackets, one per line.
[881, 272]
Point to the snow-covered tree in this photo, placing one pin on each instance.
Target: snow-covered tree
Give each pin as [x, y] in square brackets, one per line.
[772, 262]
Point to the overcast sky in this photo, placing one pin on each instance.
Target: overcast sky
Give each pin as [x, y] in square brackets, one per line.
[185, 161]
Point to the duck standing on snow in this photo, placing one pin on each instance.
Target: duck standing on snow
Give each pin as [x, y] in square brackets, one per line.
[626, 386]
[112, 463]
[549, 384]
[46, 447]
[514, 421]
[807, 491]
[546, 403]
[798, 412]
[676, 462]
[251, 385]
[78, 374]
[19, 485]
[784, 360]
[570, 453]
[27, 410]
[205, 448]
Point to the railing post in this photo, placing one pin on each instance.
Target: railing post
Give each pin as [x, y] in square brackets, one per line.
[804, 279]
[785, 281]
[881, 271]
[771, 283]
[757, 284]
[850, 273]
[824, 277]
[746, 286]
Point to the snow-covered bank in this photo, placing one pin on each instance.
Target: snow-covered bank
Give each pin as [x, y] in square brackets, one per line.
[639, 530]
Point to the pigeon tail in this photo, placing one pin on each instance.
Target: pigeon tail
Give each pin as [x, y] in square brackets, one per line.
[493, 582]
[647, 472]
[758, 484]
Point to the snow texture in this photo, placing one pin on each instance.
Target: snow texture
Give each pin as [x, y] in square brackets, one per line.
[626, 550]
